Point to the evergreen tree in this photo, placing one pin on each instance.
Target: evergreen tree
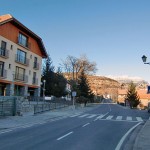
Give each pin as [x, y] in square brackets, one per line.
[48, 75]
[84, 88]
[59, 84]
[132, 96]
[55, 82]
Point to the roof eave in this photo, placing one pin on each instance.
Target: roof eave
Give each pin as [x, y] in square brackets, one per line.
[16, 22]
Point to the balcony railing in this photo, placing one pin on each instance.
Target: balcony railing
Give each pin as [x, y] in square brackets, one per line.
[24, 43]
[21, 77]
[36, 65]
[4, 53]
[35, 81]
[22, 60]
[3, 73]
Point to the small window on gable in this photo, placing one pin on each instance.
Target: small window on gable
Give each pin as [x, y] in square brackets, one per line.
[23, 40]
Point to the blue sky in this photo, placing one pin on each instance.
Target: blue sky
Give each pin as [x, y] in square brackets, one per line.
[113, 33]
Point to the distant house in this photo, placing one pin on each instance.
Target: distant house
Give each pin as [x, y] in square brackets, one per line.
[21, 53]
[144, 97]
[121, 95]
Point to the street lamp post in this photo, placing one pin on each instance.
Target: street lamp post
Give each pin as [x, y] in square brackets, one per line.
[44, 89]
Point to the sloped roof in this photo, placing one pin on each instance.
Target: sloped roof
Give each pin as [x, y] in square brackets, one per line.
[141, 92]
[8, 18]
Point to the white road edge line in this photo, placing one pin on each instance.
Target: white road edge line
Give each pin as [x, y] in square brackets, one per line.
[124, 137]
[64, 136]
[85, 124]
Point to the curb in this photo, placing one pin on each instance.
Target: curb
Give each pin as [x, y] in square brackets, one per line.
[137, 145]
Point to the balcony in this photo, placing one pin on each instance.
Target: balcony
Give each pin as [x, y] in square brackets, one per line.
[4, 53]
[23, 43]
[34, 81]
[3, 73]
[22, 60]
[21, 77]
[36, 65]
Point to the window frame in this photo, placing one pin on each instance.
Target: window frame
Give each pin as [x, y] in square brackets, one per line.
[23, 39]
[21, 58]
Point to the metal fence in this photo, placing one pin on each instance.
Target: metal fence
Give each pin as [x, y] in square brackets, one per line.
[56, 103]
[11, 105]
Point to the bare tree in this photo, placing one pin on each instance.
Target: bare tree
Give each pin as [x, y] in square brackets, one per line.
[86, 66]
[75, 66]
[69, 65]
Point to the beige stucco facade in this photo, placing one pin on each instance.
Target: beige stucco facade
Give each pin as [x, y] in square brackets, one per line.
[19, 75]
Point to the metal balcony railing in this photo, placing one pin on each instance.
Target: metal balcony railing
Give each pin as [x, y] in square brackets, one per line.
[3, 73]
[4, 53]
[21, 77]
[22, 60]
[23, 42]
[36, 65]
[34, 81]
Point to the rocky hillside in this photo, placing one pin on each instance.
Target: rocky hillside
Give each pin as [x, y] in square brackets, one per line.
[104, 86]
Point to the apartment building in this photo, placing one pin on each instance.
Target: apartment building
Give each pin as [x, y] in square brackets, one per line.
[21, 54]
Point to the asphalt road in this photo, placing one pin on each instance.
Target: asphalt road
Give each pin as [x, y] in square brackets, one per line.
[103, 128]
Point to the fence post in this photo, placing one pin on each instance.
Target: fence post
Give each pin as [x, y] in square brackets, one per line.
[2, 108]
[14, 107]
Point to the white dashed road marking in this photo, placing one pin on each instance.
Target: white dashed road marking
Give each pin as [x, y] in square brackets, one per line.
[119, 118]
[85, 124]
[129, 118]
[64, 136]
[139, 119]
[91, 116]
[109, 117]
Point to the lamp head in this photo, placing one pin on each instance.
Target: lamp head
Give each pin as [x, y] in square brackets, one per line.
[144, 58]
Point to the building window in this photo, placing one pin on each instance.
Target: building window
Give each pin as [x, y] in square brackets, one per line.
[9, 66]
[20, 73]
[31, 56]
[21, 56]
[29, 72]
[1, 68]
[3, 48]
[34, 77]
[23, 40]
[35, 62]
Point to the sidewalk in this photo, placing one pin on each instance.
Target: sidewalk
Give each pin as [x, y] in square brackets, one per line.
[29, 119]
[142, 141]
